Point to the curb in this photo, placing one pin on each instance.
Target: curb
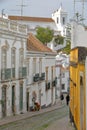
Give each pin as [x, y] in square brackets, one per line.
[15, 118]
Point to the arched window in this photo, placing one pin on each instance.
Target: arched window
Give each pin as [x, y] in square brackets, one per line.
[63, 20]
[57, 20]
[3, 62]
[13, 61]
[4, 58]
[21, 57]
[13, 57]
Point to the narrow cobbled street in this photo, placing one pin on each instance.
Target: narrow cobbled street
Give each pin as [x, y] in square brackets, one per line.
[52, 118]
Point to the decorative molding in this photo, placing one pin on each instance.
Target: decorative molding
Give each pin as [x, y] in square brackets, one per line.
[14, 41]
[7, 44]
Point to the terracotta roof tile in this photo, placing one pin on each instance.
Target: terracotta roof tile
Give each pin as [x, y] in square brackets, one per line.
[33, 19]
[34, 44]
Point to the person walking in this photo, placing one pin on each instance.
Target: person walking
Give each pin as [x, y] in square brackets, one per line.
[67, 99]
[61, 98]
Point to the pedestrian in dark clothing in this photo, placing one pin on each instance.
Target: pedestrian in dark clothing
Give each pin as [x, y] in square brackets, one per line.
[61, 97]
[67, 99]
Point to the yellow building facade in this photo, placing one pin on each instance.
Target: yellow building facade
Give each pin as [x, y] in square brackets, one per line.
[78, 87]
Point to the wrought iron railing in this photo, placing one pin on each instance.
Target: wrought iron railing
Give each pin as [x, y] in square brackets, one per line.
[36, 77]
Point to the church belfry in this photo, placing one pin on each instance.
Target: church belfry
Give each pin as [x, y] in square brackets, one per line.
[60, 18]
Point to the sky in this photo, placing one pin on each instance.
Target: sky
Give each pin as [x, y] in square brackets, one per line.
[41, 8]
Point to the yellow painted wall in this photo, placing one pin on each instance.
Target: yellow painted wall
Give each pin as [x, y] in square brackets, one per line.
[75, 92]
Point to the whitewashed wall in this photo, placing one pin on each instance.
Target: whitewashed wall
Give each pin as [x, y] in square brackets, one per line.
[78, 35]
[47, 61]
[12, 38]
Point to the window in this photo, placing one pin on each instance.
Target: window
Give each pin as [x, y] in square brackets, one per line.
[63, 20]
[34, 65]
[13, 57]
[52, 73]
[63, 86]
[57, 20]
[4, 58]
[28, 67]
[40, 66]
[3, 62]
[21, 58]
[46, 74]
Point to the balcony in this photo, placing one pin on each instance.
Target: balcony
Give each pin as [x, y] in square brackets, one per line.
[13, 26]
[22, 72]
[36, 77]
[54, 82]
[13, 72]
[42, 76]
[6, 74]
[9, 73]
[47, 86]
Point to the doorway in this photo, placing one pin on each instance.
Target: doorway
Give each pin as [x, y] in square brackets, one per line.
[13, 99]
[52, 85]
[4, 101]
[21, 97]
[27, 101]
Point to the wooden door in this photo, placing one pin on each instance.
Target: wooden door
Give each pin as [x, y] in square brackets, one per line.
[13, 99]
[27, 101]
[3, 101]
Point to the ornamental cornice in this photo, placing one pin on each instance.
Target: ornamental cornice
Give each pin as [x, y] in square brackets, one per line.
[12, 34]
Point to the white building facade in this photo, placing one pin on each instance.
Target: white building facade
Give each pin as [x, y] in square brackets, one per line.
[41, 80]
[13, 38]
[79, 34]
[60, 18]
[27, 70]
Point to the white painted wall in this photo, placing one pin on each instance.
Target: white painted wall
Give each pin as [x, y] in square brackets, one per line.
[78, 35]
[60, 14]
[47, 61]
[11, 39]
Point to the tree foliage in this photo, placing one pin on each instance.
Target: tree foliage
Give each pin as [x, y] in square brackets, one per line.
[59, 39]
[67, 48]
[45, 35]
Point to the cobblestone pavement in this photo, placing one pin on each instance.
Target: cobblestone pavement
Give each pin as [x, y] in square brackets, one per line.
[61, 124]
[10, 119]
[52, 118]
